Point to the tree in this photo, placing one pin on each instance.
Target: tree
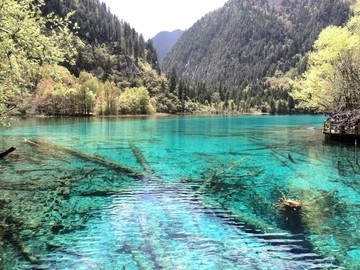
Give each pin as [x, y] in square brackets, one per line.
[333, 76]
[228, 50]
[181, 94]
[135, 100]
[173, 81]
[87, 89]
[111, 95]
[215, 99]
[28, 40]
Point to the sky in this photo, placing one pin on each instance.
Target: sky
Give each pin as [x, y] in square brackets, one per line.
[150, 17]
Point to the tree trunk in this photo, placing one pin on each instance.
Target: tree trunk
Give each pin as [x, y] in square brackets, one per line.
[11, 149]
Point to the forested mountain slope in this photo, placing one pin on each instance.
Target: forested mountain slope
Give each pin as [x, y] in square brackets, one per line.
[76, 58]
[233, 49]
[112, 47]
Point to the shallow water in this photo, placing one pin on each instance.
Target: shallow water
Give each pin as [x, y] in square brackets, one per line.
[77, 209]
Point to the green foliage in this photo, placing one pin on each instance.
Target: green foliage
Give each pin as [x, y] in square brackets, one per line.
[108, 99]
[235, 49]
[227, 63]
[56, 93]
[35, 38]
[167, 103]
[25, 44]
[113, 48]
[24, 35]
[332, 80]
[135, 100]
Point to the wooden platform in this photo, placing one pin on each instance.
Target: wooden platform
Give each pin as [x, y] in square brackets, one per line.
[343, 126]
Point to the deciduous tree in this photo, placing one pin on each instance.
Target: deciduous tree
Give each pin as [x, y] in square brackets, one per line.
[28, 40]
[332, 80]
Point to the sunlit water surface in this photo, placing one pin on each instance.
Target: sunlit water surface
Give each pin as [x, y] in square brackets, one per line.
[68, 201]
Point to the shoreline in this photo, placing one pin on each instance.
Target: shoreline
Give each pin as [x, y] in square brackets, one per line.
[155, 115]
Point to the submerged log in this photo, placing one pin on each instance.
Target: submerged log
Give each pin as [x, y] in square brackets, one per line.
[292, 213]
[36, 185]
[93, 158]
[140, 158]
[289, 205]
[4, 154]
[9, 228]
[97, 193]
[291, 158]
[21, 247]
[218, 180]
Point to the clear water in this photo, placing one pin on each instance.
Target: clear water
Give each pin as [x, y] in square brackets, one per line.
[77, 209]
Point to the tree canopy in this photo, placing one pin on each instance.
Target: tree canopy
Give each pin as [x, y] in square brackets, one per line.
[27, 41]
[332, 81]
[76, 58]
[245, 49]
[71, 58]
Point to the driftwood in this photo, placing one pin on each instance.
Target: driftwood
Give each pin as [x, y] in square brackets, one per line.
[11, 226]
[93, 158]
[292, 214]
[36, 185]
[4, 154]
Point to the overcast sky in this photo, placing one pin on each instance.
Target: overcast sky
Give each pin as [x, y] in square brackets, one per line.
[149, 17]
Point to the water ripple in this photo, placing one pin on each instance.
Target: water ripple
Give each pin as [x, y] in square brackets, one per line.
[158, 225]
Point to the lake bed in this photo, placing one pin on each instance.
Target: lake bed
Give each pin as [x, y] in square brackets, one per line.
[178, 193]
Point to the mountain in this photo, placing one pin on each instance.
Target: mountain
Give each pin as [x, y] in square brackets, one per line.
[112, 69]
[164, 41]
[112, 48]
[237, 48]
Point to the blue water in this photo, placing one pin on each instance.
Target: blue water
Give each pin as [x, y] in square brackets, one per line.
[73, 211]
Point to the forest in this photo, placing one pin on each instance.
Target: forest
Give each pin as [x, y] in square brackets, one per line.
[331, 82]
[69, 58]
[248, 51]
[76, 58]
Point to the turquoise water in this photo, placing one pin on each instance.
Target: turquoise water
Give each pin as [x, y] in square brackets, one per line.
[177, 193]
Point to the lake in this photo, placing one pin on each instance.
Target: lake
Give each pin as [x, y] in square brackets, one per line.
[178, 193]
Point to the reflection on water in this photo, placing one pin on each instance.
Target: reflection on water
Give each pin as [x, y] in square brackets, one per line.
[207, 198]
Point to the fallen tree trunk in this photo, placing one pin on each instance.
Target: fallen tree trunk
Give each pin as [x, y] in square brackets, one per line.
[97, 193]
[140, 158]
[9, 228]
[4, 154]
[93, 158]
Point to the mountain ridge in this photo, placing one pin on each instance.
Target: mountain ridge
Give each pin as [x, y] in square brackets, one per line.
[164, 41]
[234, 49]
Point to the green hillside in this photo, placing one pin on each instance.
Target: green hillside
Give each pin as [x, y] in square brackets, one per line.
[242, 51]
[112, 47]
[76, 58]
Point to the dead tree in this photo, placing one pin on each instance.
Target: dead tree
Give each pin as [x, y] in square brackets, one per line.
[4, 154]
